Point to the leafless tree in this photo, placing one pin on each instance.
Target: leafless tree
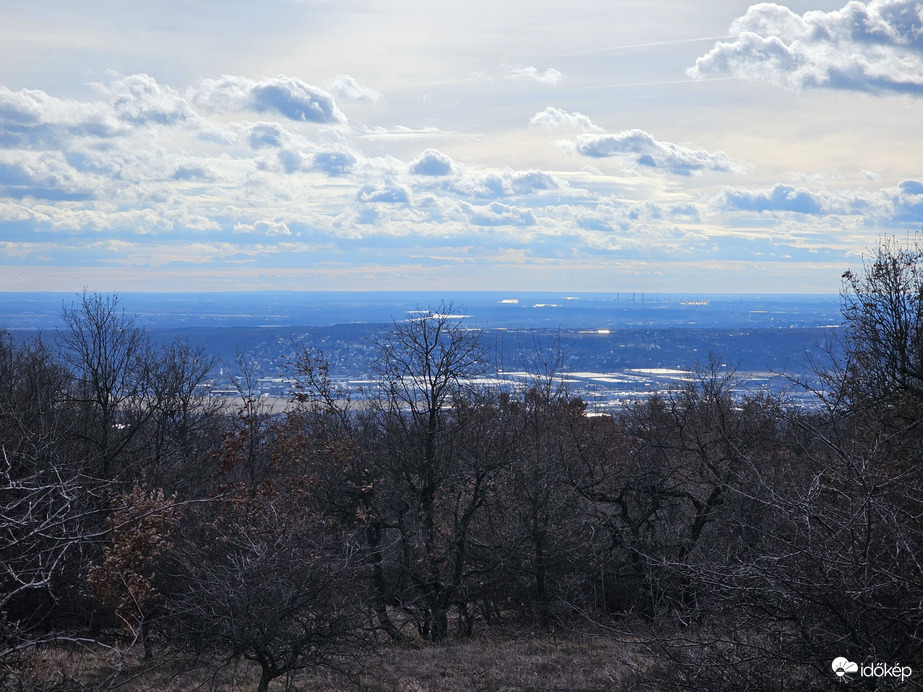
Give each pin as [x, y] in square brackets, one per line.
[110, 359]
[246, 449]
[335, 442]
[425, 365]
[49, 514]
[183, 427]
[883, 323]
[818, 551]
[539, 513]
[268, 580]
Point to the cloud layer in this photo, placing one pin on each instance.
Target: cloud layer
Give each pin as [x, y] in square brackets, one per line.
[346, 146]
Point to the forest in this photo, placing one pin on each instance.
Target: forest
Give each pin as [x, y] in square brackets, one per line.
[737, 541]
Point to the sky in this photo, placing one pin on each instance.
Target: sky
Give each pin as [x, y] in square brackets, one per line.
[686, 146]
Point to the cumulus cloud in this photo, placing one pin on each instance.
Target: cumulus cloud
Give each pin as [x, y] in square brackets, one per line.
[907, 202]
[345, 87]
[140, 161]
[140, 100]
[874, 47]
[878, 207]
[32, 119]
[888, 207]
[42, 176]
[524, 182]
[548, 76]
[193, 172]
[286, 96]
[384, 194]
[639, 148]
[264, 227]
[779, 198]
[492, 185]
[334, 163]
[555, 118]
[295, 100]
[432, 162]
[506, 184]
[264, 135]
[497, 214]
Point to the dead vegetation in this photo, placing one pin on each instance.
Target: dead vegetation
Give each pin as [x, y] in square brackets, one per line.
[496, 662]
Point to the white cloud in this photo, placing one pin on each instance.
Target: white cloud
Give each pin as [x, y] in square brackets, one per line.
[263, 135]
[432, 162]
[548, 76]
[907, 202]
[193, 172]
[874, 47]
[387, 193]
[525, 182]
[335, 163]
[160, 177]
[554, 118]
[497, 214]
[140, 100]
[43, 175]
[497, 184]
[640, 151]
[286, 96]
[779, 198]
[31, 119]
[264, 227]
[345, 87]
[889, 207]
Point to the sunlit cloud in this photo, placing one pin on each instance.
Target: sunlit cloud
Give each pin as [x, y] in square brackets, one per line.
[286, 96]
[556, 118]
[875, 47]
[345, 87]
[432, 162]
[642, 152]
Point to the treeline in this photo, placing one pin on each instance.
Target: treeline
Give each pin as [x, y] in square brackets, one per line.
[743, 542]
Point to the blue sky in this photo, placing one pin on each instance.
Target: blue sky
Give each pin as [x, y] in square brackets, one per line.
[669, 146]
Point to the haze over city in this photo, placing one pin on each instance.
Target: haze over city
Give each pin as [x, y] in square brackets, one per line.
[662, 146]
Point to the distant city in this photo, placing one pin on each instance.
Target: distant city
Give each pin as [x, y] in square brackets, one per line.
[615, 347]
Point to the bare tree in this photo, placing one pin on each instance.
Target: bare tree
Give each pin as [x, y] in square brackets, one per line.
[266, 579]
[184, 423]
[883, 323]
[335, 442]
[539, 511]
[425, 365]
[49, 513]
[245, 453]
[110, 358]
[817, 554]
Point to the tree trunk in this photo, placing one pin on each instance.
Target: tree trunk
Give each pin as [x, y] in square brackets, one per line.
[373, 536]
[264, 680]
[439, 623]
[541, 589]
[146, 639]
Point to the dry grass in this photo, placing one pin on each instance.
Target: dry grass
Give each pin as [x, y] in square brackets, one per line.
[495, 664]
[492, 663]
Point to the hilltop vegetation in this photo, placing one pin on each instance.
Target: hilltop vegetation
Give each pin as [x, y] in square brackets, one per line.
[724, 541]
